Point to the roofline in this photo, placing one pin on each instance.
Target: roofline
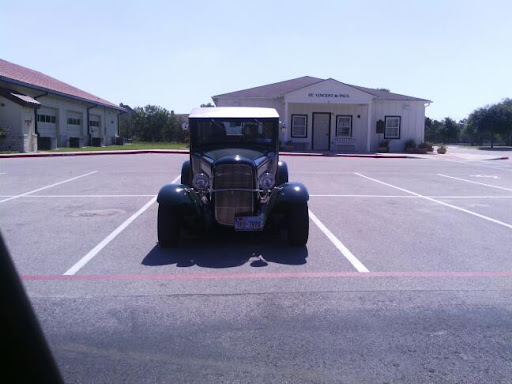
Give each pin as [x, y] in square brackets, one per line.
[410, 98]
[357, 88]
[259, 86]
[62, 94]
[245, 97]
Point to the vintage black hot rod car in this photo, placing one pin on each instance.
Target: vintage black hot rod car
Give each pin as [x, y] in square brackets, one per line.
[234, 178]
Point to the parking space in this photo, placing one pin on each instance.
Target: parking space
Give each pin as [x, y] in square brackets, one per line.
[388, 214]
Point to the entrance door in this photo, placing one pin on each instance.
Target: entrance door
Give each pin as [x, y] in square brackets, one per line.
[321, 131]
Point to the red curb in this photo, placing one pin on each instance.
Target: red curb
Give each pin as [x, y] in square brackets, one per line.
[181, 152]
[500, 158]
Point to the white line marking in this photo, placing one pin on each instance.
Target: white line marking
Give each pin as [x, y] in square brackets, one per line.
[440, 202]
[338, 244]
[470, 197]
[415, 197]
[48, 186]
[475, 182]
[93, 252]
[372, 196]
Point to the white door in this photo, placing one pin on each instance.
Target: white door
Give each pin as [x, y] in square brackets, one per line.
[321, 131]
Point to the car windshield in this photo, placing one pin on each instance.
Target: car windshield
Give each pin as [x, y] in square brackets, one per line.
[244, 132]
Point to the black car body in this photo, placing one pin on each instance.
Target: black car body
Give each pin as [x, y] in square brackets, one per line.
[234, 178]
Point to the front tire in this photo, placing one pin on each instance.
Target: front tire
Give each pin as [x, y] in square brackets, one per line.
[298, 224]
[168, 227]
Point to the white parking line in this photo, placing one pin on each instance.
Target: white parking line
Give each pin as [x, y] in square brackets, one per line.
[338, 244]
[371, 196]
[440, 202]
[48, 186]
[415, 197]
[93, 252]
[475, 182]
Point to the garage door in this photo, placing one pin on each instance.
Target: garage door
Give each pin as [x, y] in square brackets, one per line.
[94, 125]
[74, 124]
[47, 122]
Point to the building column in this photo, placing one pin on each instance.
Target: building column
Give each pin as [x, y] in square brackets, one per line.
[287, 135]
[369, 133]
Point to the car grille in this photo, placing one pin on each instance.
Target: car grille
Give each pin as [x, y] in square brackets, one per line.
[229, 204]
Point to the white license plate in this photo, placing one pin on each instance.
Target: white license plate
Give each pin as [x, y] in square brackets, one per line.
[249, 223]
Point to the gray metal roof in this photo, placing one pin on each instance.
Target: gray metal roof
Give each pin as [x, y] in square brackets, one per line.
[280, 89]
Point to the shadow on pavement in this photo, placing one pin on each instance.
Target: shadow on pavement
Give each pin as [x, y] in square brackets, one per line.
[228, 250]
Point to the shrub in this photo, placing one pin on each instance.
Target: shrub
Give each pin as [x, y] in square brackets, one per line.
[410, 144]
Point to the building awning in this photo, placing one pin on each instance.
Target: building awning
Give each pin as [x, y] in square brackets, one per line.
[18, 98]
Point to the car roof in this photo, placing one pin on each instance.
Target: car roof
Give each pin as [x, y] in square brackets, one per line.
[233, 112]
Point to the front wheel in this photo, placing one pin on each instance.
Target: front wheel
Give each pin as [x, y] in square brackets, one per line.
[298, 224]
[168, 227]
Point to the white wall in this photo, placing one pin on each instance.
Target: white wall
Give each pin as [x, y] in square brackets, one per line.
[359, 124]
[412, 126]
[10, 118]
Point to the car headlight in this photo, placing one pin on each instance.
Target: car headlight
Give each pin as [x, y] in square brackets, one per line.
[267, 180]
[201, 181]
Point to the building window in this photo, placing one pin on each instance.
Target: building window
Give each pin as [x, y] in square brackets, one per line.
[46, 119]
[299, 125]
[392, 128]
[344, 125]
[73, 121]
[94, 123]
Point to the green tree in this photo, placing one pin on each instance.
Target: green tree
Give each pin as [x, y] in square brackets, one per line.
[154, 123]
[207, 105]
[449, 130]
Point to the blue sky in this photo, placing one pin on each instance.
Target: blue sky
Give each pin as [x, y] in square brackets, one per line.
[178, 54]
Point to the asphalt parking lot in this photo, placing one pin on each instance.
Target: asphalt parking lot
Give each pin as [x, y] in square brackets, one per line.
[406, 277]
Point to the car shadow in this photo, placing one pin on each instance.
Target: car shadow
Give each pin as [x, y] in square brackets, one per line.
[228, 250]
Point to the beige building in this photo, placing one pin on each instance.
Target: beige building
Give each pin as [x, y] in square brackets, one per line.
[328, 115]
[38, 111]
